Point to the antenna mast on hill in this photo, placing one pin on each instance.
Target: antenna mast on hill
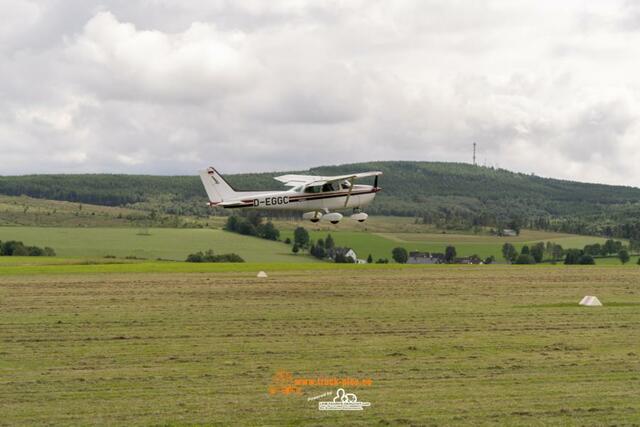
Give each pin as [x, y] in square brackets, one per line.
[474, 154]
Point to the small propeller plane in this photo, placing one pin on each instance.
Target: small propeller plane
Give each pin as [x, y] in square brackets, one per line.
[316, 196]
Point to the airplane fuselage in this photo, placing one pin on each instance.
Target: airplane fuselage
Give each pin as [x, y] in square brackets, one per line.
[357, 197]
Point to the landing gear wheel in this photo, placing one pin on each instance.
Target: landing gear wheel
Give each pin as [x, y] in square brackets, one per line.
[314, 220]
[334, 222]
[360, 217]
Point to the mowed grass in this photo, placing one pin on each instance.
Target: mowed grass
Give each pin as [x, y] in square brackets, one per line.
[165, 243]
[59, 266]
[472, 345]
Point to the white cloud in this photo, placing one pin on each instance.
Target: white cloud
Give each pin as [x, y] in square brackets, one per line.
[18, 18]
[140, 65]
[164, 86]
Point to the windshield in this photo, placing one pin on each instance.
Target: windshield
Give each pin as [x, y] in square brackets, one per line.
[324, 188]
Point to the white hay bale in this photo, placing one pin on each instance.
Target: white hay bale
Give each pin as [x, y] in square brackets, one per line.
[262, 274]
[590, 301]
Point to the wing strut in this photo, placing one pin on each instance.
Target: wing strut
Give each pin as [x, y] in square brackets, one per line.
[346, 202]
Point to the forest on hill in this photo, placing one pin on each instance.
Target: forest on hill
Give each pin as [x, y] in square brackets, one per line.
[450, 195]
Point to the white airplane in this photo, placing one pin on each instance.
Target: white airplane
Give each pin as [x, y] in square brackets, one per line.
[316, 196]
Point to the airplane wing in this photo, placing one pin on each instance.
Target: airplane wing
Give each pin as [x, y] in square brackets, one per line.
[293, 180]
[324, 179]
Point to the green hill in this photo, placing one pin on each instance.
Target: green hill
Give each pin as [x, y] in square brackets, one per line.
[451, 195]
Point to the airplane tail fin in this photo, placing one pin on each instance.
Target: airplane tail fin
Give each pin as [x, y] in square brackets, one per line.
[216, 187]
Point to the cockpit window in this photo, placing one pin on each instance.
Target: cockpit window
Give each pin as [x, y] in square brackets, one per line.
[297, 189]
[313, 189]
[345, 185]
[328, 187]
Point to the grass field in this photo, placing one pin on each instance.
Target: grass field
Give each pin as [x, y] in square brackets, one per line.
[380, 245]
[177, 243]
[166, 243]
[27, 211]
[472, 345]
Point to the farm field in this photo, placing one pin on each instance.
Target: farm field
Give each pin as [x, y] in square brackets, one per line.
[468, 345]
[177, 243]
[28, 211]
[165, 243]
[380, 245]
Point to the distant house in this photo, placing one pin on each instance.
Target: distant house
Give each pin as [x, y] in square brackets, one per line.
[473, 259]
[438, 258]
[425, 258]
[343, 252]
[507, 232]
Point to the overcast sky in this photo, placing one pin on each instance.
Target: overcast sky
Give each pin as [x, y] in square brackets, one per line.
[171, 86]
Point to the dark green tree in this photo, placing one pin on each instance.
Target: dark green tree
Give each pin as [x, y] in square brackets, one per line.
[586, 260]
[369, 259]
[301, 237]
[524, 259]
[49, 251]
[246, 228]
[321, 253]
[593, 250]
[400, 255]
[557, 252]
[329, 243]
[232, 224]
[516, 225]
[611, 247]
[509, 252]
[624, 257]
[21, 250]
[450, 254]
[537, 252]
[573, 256]
[254, 218]
[268, 231]
[195, 257]
[525, 250]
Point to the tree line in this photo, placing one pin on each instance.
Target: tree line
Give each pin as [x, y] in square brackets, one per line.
[553, 252]
[209, 256]
[17, 248]
[252, 225]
